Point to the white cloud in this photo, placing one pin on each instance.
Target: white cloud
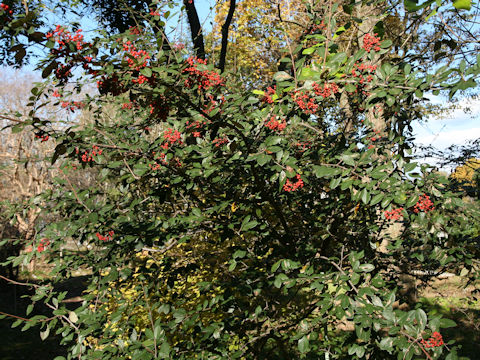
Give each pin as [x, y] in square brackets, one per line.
[446, 138]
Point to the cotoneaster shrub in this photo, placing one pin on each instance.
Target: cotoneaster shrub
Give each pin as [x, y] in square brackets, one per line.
[234, 224]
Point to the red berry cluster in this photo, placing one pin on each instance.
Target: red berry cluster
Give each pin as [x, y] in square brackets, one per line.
[6, 9]
[371, 42]
[88, 156]
[289, 186]
[161, 158]
[363, 72]
[63, 72]
[305, 102]
[155, 13]
[326, 90]
[374, 138]
[140, 56]
[219, 141]
[270, 91]
[303, 145]
[393, 214]
[43, 137]
[424, 204]
[105, 238]
[134, 30]
[72, 105]
[178, 46]
[43, 244]
[171, 137]
[318, 27]
[64, 37]
[205, 79]
[435, 340]
[274, 124]
[197, 126]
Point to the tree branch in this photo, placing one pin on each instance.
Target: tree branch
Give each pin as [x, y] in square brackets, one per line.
[195, 28]
[225, 27]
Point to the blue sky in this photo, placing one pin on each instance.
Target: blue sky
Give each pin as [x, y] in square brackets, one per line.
[455, 127]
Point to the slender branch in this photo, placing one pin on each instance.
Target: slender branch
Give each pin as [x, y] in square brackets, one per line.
[14, 316]
[18, 283]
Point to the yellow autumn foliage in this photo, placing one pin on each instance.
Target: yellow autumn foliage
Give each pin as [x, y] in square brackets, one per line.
[256, 36]
[468, 173]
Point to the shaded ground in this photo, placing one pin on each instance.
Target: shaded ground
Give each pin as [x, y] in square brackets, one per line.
[16, 344]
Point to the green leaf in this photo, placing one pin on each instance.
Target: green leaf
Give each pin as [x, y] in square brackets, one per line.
[303, 344]
[365, 196]
[146, 72]
[447, 323]
[239, 254]
[164, 352]
[44, 334]
[376, 199]
[247, 224]
[281, 76]
[309, 50]
[262, 159]
[325, 171]
[386, 44]
[29, 309]
[462, 4]
[366, 267]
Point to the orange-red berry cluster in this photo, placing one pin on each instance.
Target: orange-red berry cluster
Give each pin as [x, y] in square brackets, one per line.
[268, 95]
[326, 90]
[371, 42]
[88, 156]
[303, 145]
[289, 186]
[171, 137]
[108, 237]
[424, 204]
[136, 56]
[219, 141]
[274, 124]
[205, 79]
[43, 244]
[318, 27]
[307, 103]
[435, 340]
[72, 105]
[155, 12]
[44, 137]
[393, 214]
[6, 8]
[363, 72]
[63, 37]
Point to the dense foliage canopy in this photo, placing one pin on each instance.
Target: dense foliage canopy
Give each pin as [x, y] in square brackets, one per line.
[222, 220]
